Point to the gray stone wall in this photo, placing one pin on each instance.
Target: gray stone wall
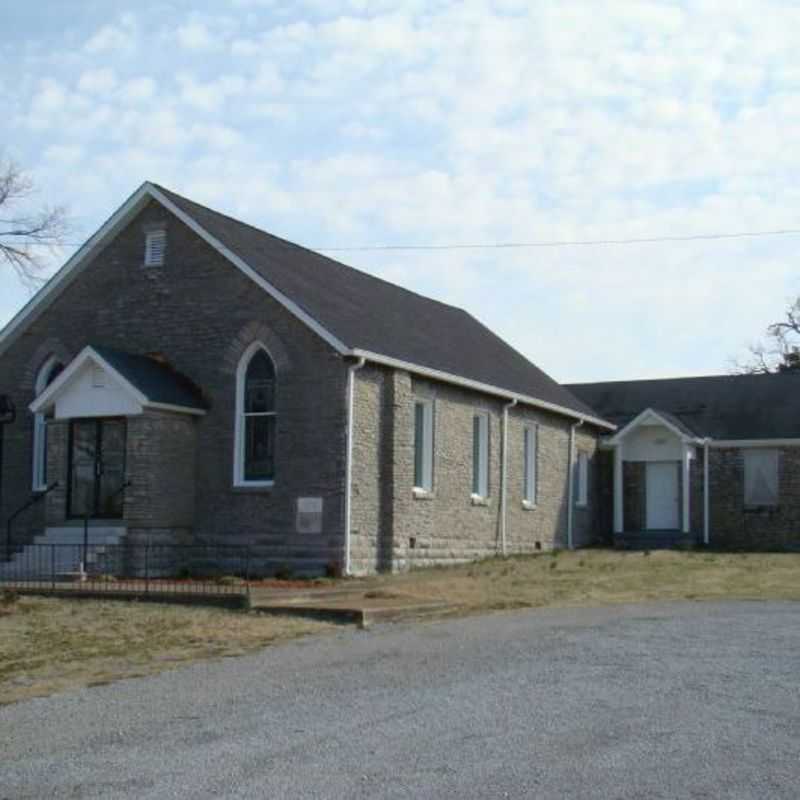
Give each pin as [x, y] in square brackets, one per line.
[393, 527]
[200, 313]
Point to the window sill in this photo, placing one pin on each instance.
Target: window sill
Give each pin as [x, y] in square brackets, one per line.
[582, 505]
[528, 506]
[422, 494]
[478, 500]
[254, 488]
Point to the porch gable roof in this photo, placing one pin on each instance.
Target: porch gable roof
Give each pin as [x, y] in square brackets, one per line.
[669, 421]
[148, 382]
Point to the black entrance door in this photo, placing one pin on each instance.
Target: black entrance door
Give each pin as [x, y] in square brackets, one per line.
[97, 468]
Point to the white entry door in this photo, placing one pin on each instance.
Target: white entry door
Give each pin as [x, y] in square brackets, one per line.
[662, 495]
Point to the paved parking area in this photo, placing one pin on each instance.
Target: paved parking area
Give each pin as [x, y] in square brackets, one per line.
[685, 700]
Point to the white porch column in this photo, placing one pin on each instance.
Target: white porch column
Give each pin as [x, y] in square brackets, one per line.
[685, 463]
[618, 494]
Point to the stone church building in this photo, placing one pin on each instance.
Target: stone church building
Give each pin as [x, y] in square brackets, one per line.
[187, 378]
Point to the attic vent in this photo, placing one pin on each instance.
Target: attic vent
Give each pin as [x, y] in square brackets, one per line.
[155, 246]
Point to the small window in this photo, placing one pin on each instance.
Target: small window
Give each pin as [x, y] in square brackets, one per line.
[480, 455]
[582, 479]
[760, 477]
[531, 457]
[155, 247]
[98, 377]
[423, 445]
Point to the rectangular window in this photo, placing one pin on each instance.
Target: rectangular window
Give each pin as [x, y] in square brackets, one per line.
[760, 477]
[423, 445]
[531, 458]
[155, 246]
[480, 455]
[582, 479]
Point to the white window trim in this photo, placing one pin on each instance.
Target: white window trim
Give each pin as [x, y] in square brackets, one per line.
[481, 492]
[239, 426]
[154, 254]
[530, 467]
[39, 482]
[582, 482]
[774, 455]
[427, 445]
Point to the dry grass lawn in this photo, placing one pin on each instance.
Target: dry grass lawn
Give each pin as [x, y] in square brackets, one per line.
[47, 645]
[601, 577]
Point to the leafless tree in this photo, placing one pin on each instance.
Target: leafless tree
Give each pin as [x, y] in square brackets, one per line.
[27, 230]
[780, 352]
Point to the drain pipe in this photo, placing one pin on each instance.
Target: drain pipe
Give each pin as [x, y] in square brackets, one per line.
[351, 371]
[706, 494]
[571, 481]
[504, 476]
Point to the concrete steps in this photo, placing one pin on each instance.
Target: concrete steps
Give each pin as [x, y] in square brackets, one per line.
[59, 552]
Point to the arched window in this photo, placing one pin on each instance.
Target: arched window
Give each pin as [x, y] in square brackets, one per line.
[255, 419]
[46, 375]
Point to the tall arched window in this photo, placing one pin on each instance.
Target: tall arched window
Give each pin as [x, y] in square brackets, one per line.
[46, 375]
[255, 419]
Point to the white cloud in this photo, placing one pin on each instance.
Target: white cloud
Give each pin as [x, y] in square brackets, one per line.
[113, 38]
[196, 36]
[355, 122]
[97, 81]
[138, 90]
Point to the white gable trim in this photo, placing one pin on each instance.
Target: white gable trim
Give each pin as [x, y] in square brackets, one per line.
[285, 301]
[139, 199]
[641, 419]
[447, 377]
[74, 264]
[89, 354]
[111, 227]
[754, 443]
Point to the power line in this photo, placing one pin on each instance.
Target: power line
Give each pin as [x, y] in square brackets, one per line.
[521, 245]
[564, 242]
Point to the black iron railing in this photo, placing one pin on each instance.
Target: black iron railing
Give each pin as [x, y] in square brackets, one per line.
[33, 500]
[130, 569]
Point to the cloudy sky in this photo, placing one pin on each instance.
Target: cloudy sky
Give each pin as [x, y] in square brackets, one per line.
[366, 122]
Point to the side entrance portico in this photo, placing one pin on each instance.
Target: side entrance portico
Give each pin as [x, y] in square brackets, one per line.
[653, 456]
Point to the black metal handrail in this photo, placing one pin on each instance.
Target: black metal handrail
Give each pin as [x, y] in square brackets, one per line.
[29, 503]
[86, 517]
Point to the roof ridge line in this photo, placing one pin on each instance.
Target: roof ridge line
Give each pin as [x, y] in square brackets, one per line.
[306, 249]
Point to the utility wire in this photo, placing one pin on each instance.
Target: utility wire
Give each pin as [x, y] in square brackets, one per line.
[565, 242]
[521, 245]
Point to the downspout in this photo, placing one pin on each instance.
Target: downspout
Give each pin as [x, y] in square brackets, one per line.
[706, 494]
[352, 369]
[504, 476]
[571, 481]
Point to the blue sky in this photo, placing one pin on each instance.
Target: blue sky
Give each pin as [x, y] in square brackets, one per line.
[435, 122]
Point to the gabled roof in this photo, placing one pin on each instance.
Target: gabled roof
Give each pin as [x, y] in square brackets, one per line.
[650, 415]
[750, 407]
[358, 314]
[152, 383]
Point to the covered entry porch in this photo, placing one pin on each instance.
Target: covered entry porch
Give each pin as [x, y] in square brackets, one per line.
[655, 468]
[120, 449]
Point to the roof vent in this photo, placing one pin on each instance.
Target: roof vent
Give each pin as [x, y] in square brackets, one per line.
[155, 246]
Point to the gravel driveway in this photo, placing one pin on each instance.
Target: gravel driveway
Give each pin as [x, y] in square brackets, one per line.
[657, 701]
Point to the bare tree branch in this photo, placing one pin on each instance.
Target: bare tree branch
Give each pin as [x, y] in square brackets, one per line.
[27, 234]
[781, 350]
